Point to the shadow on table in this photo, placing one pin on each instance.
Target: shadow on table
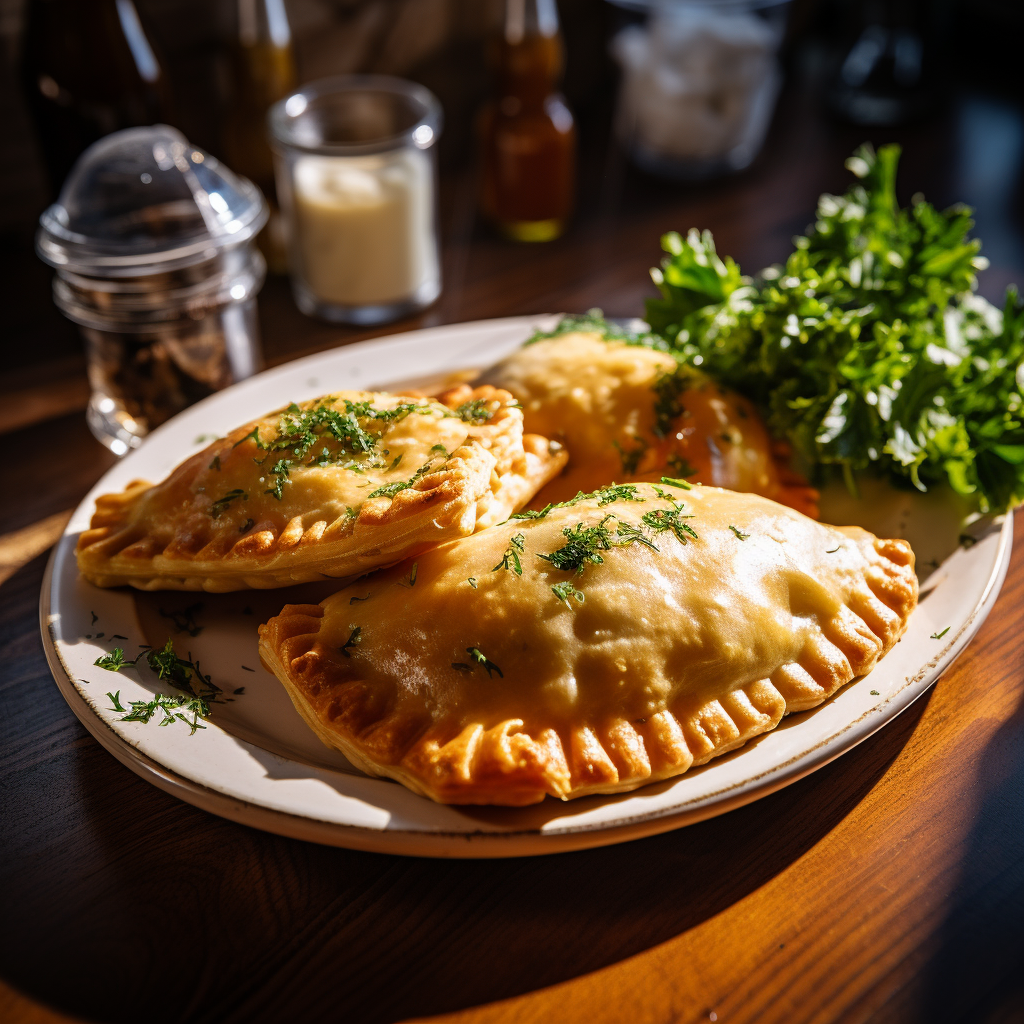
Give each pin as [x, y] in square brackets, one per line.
[976, 975]
[135, 906]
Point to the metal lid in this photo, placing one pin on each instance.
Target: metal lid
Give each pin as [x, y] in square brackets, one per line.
[145, 201]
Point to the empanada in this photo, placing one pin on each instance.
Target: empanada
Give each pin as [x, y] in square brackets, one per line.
[612, 641]
[629, 412]
[328, 488]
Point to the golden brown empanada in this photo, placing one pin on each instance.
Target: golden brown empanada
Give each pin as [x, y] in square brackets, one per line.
[329, 488]
[618, 639]
[628, 412]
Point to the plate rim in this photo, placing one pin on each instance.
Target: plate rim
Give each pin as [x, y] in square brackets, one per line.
[523, 842]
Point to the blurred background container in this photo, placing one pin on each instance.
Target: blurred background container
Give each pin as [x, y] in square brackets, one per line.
[699, 85]
[939, 76]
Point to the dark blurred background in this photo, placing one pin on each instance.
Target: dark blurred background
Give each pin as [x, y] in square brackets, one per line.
[959, 112]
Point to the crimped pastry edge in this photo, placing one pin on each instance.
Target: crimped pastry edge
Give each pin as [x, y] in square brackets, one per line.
[501, 765]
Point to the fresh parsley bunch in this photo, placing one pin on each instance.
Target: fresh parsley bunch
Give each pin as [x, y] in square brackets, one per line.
[868, 350]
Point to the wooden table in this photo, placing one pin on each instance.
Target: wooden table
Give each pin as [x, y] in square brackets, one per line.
[887, 886]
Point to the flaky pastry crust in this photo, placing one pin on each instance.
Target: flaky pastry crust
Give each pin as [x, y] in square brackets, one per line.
[628, 412]
[693, 623]
[330, 488]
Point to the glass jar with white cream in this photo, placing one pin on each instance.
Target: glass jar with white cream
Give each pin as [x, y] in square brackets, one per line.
[357, 180]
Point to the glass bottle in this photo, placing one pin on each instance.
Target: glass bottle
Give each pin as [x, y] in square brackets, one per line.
[88, 69]
[262, 72]
[528, 135]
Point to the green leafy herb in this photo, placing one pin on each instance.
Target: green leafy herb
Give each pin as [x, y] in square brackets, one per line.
[115, 660]
[739, 533]
[390, 490]
[474, 411]
[472, 582]
[605, 496]
[354, 640]
[255, 435]
[215, 464]
[673, 519]
[867, 350]
[281, 470]
[187, 707]
[511, 560]
[563, 591]
[874, 693]
[412, 574]
[939, 636]
[584, 544]
[219, 506]
[675, 482]
[481, 659]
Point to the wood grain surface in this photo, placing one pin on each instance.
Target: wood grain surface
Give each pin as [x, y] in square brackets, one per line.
[888, 886]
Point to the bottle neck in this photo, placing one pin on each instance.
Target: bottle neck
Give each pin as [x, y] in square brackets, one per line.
[530, 50]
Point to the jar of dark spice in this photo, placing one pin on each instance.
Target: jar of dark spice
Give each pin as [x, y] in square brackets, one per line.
[153, 243]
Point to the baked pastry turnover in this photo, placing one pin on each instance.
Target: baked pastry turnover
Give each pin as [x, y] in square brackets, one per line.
[328, 488]
[629, 412]
[617, 639]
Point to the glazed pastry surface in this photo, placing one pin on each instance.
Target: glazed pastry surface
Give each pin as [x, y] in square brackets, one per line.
[628, 412]
[329, 488]
[650, 628]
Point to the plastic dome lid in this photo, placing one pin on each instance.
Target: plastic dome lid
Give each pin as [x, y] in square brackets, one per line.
[144, 200]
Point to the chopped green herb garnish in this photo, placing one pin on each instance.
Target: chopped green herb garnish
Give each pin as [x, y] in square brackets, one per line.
[474, 411]
[481, 659]
[219, 506]
[354, 640]
[412, 574]
[472, 582]
[874, 693]
[390, 490]
[247, 526]
[563, 591]
[215, 464]
[115, 699]
[511, 560]
[675, 482]
[115, 660]
[605, 496]
[255, 435]
[352, 600]
[739, 533]
[395, 462]
[832, 551]
[661, 519]
[281, 470]
[939, 636]
[594, 322]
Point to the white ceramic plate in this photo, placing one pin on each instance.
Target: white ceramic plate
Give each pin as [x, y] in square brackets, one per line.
[257, 763]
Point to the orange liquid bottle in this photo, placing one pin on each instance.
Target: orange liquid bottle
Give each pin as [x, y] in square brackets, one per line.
[528, 136]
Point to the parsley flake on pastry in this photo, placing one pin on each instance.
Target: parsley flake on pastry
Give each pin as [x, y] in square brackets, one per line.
[332, 487]
[592, 646]
[626, 411]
